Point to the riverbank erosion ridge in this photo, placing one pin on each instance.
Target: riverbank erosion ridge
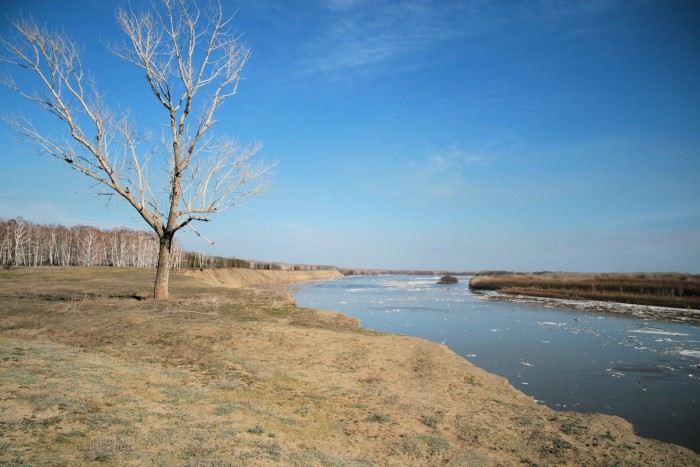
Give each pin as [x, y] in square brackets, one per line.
[235, 277]
[241, 376]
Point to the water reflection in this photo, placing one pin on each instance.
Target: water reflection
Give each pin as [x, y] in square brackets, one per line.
[646, 372]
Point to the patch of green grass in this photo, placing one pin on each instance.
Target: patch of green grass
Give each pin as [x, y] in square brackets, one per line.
[316, 397]
[471, 381]
[289, 421]
[69, 435]
[470, 458]
[432, 421]
[435, 443]
[224, 384]
[197, 462]
[257, 430]
[271, 451]
[179, 393]
[421, 446]
[378, 418]
[34, 423]
[549, 443]
[227, 434]
[223, 410]
[574, 428]
[316, 457]
[105, 448]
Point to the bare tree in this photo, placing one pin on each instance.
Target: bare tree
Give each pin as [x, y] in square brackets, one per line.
[192, 63]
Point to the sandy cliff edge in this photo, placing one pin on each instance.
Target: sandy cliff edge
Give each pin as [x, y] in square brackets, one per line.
[235, 277]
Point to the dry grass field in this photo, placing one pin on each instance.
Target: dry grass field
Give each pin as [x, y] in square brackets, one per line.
[656, 289]
[91, 372]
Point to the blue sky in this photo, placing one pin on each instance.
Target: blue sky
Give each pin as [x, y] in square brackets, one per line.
[528, 135]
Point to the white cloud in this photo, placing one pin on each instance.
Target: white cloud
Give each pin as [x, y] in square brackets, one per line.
[442, 173]
[365, 33]
[359, 34]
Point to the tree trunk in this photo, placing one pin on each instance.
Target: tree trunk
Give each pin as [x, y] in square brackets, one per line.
[160, 291]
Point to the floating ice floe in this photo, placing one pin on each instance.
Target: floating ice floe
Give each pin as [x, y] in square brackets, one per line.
[690, 353]
[550, 323]
[680, 315]
[524, 363]
[660, 332]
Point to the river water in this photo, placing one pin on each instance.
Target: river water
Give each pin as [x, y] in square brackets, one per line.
[647, 372]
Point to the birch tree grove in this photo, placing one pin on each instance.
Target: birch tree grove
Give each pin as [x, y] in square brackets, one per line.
[24, 243]
[192, 63]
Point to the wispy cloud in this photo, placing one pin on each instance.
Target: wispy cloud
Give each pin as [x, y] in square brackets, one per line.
[359, 34]
[442, 173]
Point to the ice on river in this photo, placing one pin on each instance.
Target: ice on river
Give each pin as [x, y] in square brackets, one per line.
[660, 332]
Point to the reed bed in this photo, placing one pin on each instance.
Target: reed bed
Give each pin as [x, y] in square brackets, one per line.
[675, 290]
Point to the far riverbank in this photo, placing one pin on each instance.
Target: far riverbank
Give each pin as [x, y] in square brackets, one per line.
[667, 290]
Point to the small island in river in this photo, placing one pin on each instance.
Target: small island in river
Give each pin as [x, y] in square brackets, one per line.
[448, 280]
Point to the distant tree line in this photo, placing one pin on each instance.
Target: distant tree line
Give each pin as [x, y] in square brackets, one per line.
[254, 264]
[198, 260]
[24, 243]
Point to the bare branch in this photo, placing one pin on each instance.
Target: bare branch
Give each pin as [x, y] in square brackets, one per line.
[229, 175]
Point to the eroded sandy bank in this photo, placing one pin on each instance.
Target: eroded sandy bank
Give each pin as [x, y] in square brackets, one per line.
[237, 277]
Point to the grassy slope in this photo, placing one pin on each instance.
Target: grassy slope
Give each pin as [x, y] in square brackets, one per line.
[231, 377]
[658, 289]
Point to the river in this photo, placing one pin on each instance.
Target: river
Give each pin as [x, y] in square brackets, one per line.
[647, 372]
